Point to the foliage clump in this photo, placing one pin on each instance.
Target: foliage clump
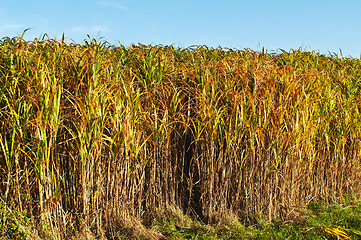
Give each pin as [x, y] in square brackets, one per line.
[13, 224]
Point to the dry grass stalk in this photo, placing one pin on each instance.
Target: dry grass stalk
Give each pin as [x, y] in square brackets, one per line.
[93, 132]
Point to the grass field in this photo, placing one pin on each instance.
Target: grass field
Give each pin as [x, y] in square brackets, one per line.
[97, 139]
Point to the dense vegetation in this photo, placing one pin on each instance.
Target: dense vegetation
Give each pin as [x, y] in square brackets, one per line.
[96, 137]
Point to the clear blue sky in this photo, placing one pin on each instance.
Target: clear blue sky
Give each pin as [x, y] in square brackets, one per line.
[320, 25]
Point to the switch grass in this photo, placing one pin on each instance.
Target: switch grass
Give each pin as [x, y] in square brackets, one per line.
[93, 134]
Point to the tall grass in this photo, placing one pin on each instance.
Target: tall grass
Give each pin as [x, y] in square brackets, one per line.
[93, 135]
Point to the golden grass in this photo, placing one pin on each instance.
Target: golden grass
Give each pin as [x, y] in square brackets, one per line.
[92, 133]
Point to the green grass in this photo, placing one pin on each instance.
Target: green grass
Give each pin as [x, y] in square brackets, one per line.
[14, 224]
[317, 221]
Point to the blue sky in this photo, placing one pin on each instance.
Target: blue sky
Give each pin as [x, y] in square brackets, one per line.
[320, 25]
